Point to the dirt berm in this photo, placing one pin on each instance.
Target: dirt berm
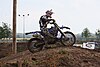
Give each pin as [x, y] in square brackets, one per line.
[64, 57]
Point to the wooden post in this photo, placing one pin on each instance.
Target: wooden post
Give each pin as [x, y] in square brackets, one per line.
[14, 46]
[19, 63]
[1, 65]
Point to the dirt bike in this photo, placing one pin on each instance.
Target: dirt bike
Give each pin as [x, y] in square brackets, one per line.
[38, 41]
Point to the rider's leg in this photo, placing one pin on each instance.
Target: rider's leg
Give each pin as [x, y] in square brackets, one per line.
[47, 35]
[46, 42]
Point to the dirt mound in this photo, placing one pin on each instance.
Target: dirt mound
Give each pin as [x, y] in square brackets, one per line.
[63, 57]
[66, 57]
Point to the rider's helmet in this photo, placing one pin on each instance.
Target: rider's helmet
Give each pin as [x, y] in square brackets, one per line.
[49, 13]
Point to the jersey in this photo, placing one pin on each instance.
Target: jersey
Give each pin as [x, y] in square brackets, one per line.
[44, 20]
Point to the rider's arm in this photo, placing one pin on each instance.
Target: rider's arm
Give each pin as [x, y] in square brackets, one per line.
[45, 19]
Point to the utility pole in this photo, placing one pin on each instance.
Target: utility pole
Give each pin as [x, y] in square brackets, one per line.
[14, 45]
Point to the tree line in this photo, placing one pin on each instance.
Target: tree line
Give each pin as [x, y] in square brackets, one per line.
[6, 32]
[86, 35]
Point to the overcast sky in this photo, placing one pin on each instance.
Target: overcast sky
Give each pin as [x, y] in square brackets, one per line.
[76, 14]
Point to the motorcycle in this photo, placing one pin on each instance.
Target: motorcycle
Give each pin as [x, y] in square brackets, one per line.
[40, 39]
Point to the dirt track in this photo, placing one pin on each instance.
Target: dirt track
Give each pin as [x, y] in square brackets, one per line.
[62, 57]
[67, 57]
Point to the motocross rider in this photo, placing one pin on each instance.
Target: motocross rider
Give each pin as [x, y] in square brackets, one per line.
[44, 20]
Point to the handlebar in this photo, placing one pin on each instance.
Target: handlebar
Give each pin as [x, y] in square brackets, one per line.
[57, 25]
[52, 21]
[64, 27]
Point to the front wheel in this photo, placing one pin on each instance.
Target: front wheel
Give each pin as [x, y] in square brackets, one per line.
[69, 40]
[35, 45]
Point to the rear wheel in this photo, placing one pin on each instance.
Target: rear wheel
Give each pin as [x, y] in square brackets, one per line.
[35, 45]
[69, 40]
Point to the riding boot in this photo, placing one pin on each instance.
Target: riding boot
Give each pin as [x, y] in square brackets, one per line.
[47, 46]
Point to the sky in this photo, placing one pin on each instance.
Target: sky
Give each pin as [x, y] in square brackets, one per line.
[76, 14]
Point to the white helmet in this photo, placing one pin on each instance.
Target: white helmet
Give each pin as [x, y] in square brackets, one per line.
[49, 12]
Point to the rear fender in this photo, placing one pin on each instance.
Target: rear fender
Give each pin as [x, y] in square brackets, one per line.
[36, 32]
